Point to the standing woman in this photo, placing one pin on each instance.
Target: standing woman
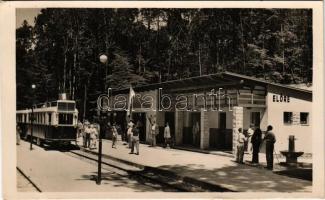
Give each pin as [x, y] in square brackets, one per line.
[256, 143]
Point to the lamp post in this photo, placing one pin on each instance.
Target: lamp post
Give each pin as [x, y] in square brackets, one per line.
[103, 60]
[32, 117]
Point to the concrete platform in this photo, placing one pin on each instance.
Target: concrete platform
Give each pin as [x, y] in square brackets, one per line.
[218, 170]
[54, 171]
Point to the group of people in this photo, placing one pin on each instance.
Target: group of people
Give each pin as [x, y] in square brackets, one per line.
[89, 134]
[254, 142]
[155, 130]
[133, 133]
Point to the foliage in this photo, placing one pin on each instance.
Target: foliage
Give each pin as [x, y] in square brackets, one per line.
[60, 52]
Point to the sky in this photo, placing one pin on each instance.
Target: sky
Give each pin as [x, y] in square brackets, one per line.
[26, 14]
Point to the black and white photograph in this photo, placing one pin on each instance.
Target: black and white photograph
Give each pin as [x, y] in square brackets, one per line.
[165, 100]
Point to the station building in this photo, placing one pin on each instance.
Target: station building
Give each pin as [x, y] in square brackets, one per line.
[205, 112]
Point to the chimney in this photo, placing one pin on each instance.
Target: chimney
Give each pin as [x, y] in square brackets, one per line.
[63, 96]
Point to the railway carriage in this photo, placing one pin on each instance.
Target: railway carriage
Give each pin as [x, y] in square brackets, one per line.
[54, 122]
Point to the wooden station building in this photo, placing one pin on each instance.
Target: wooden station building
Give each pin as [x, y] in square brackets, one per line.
[205, 112]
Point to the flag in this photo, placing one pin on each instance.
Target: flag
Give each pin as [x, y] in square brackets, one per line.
[131, 95]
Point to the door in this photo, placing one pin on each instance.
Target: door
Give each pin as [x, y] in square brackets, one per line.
[255, 119]
[222, 130]
[196, 129]
[170, 118]
[221, 137]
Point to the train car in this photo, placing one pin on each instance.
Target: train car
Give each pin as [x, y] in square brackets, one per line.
[54, 122]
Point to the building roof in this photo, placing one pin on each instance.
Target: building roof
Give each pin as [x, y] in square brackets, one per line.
[222, 79]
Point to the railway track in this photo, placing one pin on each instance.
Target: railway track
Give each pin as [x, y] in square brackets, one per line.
[24, 183]
[160, 180]
[143, 176]
[165, 179]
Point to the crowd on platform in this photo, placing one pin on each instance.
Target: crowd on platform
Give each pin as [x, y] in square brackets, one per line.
[89, 133]
[254, 142]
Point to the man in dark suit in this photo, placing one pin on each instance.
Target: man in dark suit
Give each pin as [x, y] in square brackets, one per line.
[269, 145]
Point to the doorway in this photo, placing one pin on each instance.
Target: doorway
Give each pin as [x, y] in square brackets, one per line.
[255, 119]
[140, 119]
[218, 135]
[192, 130]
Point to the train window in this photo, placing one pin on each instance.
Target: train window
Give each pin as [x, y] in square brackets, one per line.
[50, 118]
[66, 106]
[25, 118]
[65, 118]
[70, 106]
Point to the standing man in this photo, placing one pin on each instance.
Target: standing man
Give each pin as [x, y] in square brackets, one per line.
[240, 146]
[87, 135]
[269, 146]
[135, 139]
[167, 135]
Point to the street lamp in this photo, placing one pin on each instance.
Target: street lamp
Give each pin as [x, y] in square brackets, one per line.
[103, 60]
[32, 117]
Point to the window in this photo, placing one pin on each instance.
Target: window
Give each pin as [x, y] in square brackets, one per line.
[287, 117]
[304, 118]
[66, 106]
[50, 118]
[65, 118]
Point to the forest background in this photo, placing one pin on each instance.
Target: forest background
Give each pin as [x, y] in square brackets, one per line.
[60, 52]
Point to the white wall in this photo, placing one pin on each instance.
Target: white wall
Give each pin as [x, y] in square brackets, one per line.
[303, 133]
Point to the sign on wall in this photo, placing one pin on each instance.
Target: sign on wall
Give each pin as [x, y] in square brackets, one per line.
[281, 98]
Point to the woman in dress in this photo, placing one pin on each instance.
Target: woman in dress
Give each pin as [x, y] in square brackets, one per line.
[256, 143]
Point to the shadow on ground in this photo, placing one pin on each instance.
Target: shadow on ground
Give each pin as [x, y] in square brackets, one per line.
[243, 178]
[62, 148]
[136, 183]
